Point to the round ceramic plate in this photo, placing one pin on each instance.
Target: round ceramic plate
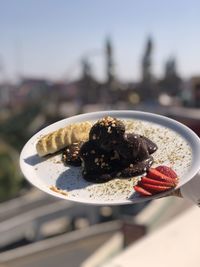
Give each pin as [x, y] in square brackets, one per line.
[178, 147]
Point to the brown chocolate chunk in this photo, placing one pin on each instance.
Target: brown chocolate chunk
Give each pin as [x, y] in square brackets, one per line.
[71, 156]
[97, 160]
[108, 132]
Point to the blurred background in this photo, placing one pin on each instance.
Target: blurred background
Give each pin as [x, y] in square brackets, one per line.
[61, 58]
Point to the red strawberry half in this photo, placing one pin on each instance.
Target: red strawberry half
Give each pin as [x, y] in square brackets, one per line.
[155, 174]
[142, 191]
[154, 182]
[167, 171]
[155, 188]
[157, 180]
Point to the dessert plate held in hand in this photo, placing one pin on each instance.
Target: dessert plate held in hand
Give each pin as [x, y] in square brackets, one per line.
[178, 148]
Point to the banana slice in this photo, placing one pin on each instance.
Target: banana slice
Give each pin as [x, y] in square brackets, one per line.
[57, 140]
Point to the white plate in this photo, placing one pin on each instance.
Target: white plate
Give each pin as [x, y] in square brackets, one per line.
[48, 171]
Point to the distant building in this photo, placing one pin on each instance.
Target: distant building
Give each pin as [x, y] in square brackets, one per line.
[147, 88]
[110, 74]
[34, 88]
[195, 89]
[6, 94]
[146, 63]
[89, 88]
[171, 83]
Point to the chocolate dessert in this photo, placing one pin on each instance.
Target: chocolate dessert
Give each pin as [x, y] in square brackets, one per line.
[98, 164]
[108, 132]
[152, 147]
[136, 168]
[111, 153]
[133, 148]
[71, 155]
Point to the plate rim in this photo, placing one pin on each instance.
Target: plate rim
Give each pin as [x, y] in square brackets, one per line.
[178, 127]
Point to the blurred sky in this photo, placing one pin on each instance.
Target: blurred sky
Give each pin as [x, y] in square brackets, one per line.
[49, 37]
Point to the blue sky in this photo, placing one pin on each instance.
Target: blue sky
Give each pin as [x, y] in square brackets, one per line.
[49, 37]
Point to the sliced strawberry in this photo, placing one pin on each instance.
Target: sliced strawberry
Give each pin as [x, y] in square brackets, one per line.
[155, 188]
[166, 171]
[154, 174]
[142, 191]
[154, 182]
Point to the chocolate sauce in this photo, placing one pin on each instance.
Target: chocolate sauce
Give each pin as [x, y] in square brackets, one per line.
[152, 147]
